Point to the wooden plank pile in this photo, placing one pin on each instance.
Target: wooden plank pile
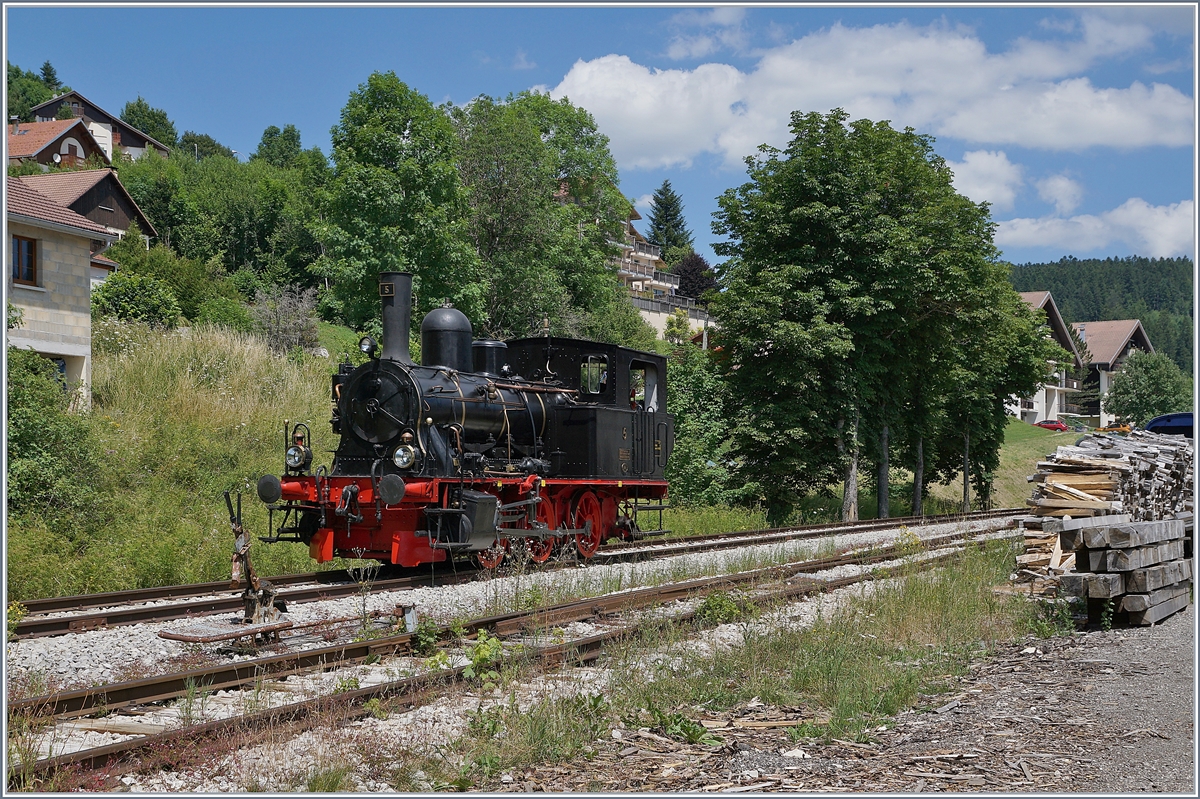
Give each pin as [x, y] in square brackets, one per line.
[1135, 570]
[1146, 475]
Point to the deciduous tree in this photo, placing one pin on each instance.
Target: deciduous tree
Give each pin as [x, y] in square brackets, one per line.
[152, 121]
[695, 276]
[1148, 385]
[395, 203]
[201, 145]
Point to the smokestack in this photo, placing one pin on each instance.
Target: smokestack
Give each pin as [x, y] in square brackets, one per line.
[395, 294]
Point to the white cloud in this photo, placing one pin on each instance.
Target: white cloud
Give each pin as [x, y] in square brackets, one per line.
[522, 61]
[724, 25]
[1158, 231]
[644, 201]
[1066, 194]
[938, 79]
[987, 177]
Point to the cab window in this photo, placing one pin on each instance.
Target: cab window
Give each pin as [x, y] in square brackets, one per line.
[593, 375]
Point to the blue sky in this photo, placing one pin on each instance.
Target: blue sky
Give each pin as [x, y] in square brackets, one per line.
[1077, 123]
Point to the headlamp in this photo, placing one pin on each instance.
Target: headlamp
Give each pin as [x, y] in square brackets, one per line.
[404, 456]
[367, 345]
[298, 457]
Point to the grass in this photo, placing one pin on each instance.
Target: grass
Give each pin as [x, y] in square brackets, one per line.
[889, 649]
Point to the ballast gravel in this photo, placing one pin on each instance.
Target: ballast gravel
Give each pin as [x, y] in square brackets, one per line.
[106, 655]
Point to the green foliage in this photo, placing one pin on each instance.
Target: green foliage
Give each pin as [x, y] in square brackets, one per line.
[395, 203]
[426, 637]
[25, 90]
[12, 617]
[176, 419]
[152, 121]
[485, 653]
[15, 317]
[64, 112]
[279, 148]
[346, 685]
[50, 76]
[224, 312]
[717, 608]
[130, 295]
[679, 726]
[701, 466]
[375, 708]
[201, 145]
[667, 227]
[1158, 291]
[330, 779]
[1148, 385]
[51, 455]
[861, 291]
[678, 329]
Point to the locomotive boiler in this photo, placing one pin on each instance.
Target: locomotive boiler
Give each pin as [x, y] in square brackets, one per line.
[488, 448]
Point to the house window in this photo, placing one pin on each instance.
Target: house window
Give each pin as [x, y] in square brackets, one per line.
[24, 261]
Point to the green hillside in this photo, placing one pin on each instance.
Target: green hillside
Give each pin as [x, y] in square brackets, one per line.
[1157, 291]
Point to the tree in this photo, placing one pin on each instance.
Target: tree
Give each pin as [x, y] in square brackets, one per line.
[695, 276]
[667, 227]
[25, 90]
[678, 329]
[854, 269]
[154, 122]
[1148, 385]
[127, 295]
[201, 145]
[65, 112]
[395, 203]
[279, 148]
[50, 77]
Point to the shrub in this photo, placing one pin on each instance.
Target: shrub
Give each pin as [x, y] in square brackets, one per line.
[49, 450]
[287, 317]
[224, 312]
[126, 295]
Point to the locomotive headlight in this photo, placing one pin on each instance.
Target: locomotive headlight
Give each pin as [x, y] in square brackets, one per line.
[368, 346]
[298, 457]
[404, 456]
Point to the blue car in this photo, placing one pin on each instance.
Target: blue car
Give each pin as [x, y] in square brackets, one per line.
[1171, 424]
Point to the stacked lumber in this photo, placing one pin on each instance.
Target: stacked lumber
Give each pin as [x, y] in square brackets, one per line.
[1145, 475]
[1136, 570]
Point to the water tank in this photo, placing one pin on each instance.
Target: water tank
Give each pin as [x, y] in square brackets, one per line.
[489, 356]
[446, 336]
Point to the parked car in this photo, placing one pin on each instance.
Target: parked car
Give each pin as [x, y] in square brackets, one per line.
[1052, 425]
[1172, 424]
[1114, 428]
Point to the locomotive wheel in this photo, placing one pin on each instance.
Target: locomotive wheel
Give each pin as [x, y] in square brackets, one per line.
[540, 549]
[491, 557]
[587, 509]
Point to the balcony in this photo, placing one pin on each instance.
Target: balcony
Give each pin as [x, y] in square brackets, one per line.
[1070, 383]
[649, 250]
[667, 303]
[1027, 405]
[666, 278]
[629, 266]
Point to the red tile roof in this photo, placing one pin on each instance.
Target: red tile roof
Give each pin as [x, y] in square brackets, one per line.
[1107, 340]
[101, 260]
[67, 187]
[24, 201]
[31, 138]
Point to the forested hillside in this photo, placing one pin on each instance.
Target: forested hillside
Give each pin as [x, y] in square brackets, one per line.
[1156, 290]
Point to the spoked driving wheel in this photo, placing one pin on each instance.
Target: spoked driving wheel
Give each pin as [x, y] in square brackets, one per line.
[540, 549]
[587, 509]
[493, 556]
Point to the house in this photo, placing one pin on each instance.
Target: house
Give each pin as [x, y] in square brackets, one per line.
[56, 142]
[110, 131]
[97, 194]
[1109, 344]
[52, 251]
[652, 291]
[1053, 398]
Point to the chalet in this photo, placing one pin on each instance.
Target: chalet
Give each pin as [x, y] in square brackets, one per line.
[1108, 344]
[55, 142]
[1053, 398]
[109, 130]
[49, 280]
[97, 194]
[653, 291]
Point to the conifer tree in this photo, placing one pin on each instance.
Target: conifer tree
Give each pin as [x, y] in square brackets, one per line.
[50, 77]
[667, 228]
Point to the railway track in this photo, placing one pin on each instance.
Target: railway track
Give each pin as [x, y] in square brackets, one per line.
[138, 697]
[218, 597]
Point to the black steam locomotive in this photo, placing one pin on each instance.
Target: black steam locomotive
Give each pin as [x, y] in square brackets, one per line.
[483, 447]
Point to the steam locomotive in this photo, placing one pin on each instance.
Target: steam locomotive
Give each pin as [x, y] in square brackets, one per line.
[486, 448]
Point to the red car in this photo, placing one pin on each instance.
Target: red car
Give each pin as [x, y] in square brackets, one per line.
[1052, 425]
